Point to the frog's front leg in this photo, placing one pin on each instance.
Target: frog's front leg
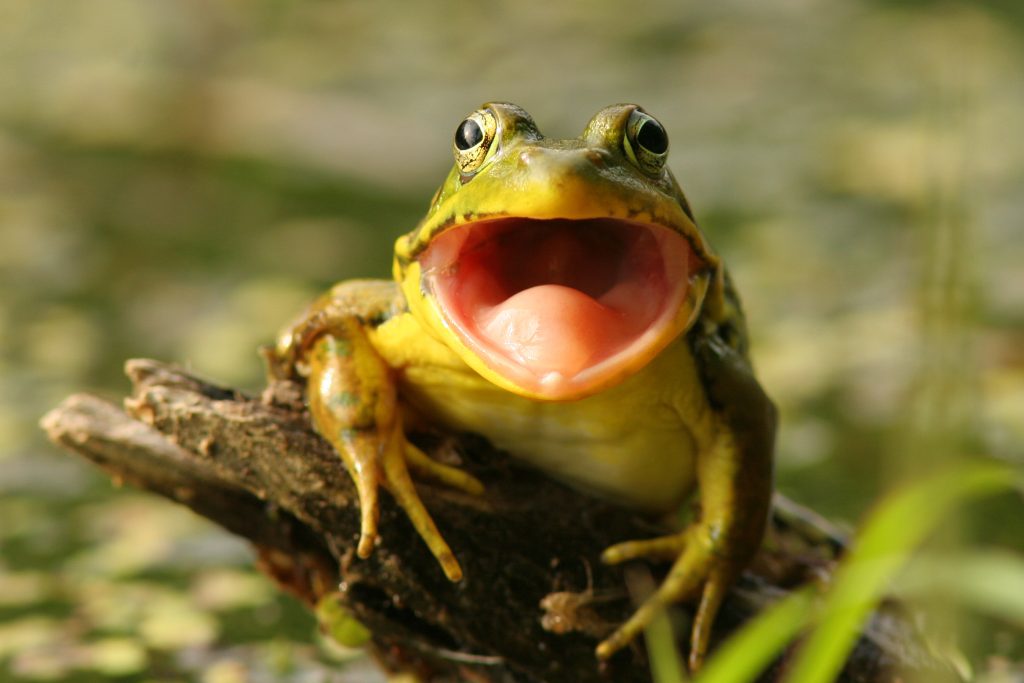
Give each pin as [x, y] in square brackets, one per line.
[735, 479]
[354, 405]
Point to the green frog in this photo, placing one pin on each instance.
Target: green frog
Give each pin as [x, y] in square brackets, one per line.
[559, 299]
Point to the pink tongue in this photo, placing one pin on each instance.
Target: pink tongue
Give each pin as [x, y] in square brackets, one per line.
[552, 329]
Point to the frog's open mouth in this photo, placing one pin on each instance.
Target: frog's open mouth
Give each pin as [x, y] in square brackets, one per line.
[560, 307]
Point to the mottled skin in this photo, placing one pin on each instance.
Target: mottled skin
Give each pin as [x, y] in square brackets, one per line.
[685, 413]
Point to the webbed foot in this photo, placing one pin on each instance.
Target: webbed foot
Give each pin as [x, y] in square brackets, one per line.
[699, 571]
[387, 462]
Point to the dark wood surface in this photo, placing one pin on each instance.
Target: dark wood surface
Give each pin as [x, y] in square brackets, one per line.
[535, 599]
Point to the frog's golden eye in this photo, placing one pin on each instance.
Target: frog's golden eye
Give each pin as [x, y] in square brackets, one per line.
[646, 142]
[474, 140]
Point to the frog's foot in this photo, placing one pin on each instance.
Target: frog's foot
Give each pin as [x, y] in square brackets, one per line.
[353, 403]
[698, 571]
[373, 467]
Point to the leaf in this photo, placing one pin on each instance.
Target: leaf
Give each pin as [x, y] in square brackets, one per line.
[988, 581]
[666, 664]
[339, 624]
[885, 543]
[750, 650]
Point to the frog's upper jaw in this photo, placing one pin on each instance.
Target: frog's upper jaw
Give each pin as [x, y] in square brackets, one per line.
[556, 268]
[558, 309]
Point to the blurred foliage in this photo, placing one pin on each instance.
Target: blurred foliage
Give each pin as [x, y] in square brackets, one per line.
[830, 616]
[178, 178]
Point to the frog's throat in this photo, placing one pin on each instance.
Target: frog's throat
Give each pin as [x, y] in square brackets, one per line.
[559, 309]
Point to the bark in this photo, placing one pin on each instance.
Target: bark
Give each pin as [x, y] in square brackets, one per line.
[535, 599]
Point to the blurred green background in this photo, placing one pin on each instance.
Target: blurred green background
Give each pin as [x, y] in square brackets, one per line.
[178, 178]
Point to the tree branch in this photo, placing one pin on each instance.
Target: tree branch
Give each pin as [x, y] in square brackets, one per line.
[535, 599]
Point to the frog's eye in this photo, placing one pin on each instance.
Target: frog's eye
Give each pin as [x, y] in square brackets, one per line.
[646, 142]
[474, 140]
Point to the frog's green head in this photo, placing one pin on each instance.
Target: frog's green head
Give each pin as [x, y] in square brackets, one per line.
[557, 268]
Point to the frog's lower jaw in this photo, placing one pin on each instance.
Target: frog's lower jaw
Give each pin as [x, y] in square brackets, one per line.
[557, 307]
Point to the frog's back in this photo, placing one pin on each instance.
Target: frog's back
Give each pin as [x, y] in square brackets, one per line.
[372, 301]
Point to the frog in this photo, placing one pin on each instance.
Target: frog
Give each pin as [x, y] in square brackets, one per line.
[558, 299]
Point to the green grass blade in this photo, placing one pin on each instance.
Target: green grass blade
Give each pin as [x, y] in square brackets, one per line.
[883, 546]
[666, 664]
[989, 581]
[751, 649]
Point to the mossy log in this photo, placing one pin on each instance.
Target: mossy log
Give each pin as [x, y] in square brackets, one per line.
[535, 599]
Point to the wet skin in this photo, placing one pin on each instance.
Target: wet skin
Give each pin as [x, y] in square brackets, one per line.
[559, 299]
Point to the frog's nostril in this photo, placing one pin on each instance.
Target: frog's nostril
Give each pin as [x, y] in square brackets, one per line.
[559, 161]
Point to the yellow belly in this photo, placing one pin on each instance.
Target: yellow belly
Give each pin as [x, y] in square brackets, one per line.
[635, 443]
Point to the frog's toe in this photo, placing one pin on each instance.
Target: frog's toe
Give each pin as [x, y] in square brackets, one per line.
[627, 632]
[711, 597]
[712, 592]
[370, 513]
[697, 571]
[359, 456]
[399, 483]
[676, 587]
[428, 468]
[663, 548]
[402, 489]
